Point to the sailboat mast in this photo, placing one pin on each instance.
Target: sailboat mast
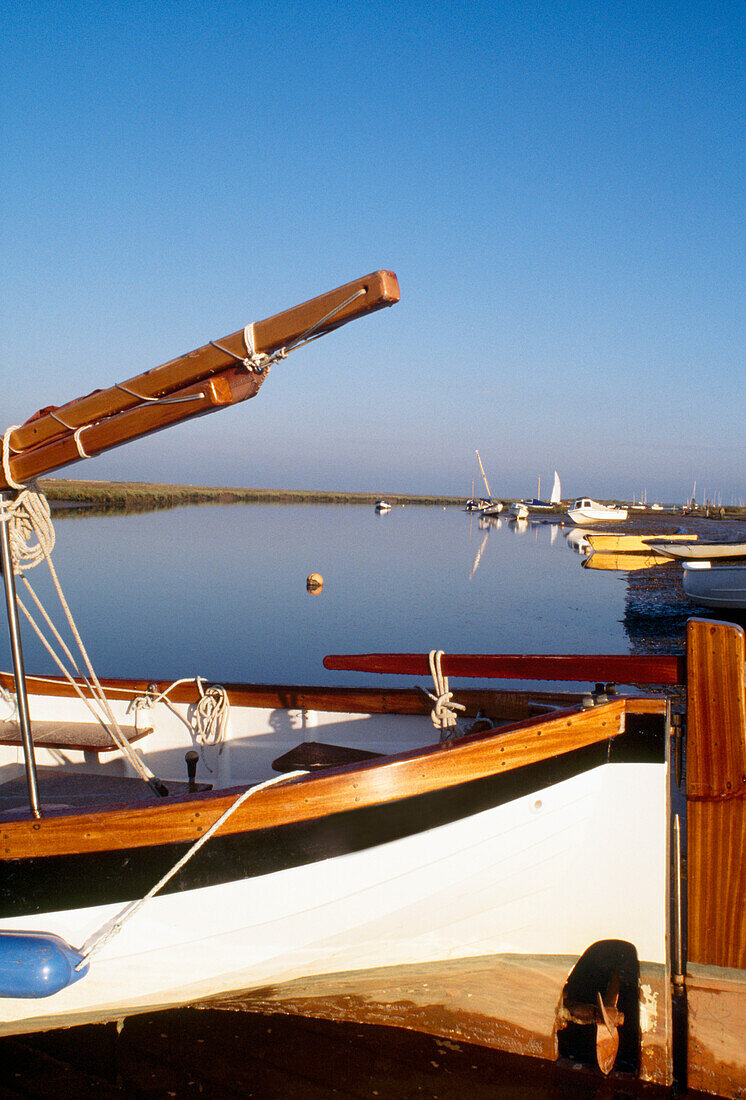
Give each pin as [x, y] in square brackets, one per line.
[486, 483]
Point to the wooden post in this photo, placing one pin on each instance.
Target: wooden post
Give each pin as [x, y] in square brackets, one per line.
[716, 858]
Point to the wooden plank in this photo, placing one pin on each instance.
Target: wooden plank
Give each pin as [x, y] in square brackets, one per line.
[716, 793]
[83, 736]
[372, 783]
[222, 390]
[616, 668]
[369, 293]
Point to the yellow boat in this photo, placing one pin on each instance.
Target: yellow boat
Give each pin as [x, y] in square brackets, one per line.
[622, 563]
[631, 544]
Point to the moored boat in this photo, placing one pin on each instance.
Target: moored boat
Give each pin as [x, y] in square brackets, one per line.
[612, 543]
[716, 584]
[486, 866]
[585, 510]
[383, 506]
[691, 550]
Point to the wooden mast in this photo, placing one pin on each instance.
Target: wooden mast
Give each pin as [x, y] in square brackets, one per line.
[220, 373]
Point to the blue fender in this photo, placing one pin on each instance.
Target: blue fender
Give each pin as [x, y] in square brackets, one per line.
[37, 964]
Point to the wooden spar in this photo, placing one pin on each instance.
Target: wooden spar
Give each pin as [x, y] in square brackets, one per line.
[317, 316]
[618, 668]
[227, 388]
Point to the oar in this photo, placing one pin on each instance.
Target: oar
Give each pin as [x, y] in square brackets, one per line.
[246, 347]
[615, 668]
[315, 317]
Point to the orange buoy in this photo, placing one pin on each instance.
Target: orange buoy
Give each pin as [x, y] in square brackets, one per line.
[314, 583]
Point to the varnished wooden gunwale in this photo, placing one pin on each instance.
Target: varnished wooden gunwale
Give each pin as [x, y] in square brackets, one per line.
[512, 705]
[184, 819]
[379, 289]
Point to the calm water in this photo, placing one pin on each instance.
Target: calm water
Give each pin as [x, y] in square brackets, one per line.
[220, 591]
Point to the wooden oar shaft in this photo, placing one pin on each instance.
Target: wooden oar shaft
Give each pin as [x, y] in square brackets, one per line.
[226, 388]
[328, 311]
[616, 668]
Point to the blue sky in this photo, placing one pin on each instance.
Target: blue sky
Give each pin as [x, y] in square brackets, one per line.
[559, 187]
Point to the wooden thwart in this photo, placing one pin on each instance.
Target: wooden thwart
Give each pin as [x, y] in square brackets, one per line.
[83, 736]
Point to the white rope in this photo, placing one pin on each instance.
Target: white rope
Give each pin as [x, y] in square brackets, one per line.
[443, 713]
[28, 516]
[94, 943]
[7, 451]
[210, 713]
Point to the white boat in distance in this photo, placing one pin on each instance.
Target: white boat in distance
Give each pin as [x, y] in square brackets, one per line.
[521, 508]
[383, 506]
[721, 586]
[585, 510]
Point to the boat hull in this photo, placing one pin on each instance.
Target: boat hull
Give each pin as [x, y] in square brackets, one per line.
[719, 586]
[468, 897]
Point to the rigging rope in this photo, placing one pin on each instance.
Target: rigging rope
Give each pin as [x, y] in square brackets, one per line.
[28, 516]
[94, 943]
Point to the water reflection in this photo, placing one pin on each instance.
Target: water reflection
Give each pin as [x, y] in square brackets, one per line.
[221, 591]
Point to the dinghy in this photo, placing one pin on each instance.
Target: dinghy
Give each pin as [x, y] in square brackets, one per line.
[714, 584]
[612, 543]
[489, 866]
[689, 550]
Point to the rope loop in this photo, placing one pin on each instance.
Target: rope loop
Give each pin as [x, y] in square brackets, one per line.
[443, 713]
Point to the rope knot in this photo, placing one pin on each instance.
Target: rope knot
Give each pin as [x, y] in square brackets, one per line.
[443, 713]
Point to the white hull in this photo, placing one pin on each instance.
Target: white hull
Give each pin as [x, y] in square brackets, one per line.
[504, 881]
[595, 513]
[716, 585]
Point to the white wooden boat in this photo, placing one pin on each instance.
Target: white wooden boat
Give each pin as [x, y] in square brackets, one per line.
[518, 509]
[716, 585]
[691, 550]
[585, 510]
[493, 868]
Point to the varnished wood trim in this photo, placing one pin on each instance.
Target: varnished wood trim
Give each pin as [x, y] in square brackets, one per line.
[618, 668]
[380, 289]
[350, 787]
[353, 700]
[716, 794]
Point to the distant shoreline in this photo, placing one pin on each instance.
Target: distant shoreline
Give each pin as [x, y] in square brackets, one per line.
[143, 494]
[139, 496]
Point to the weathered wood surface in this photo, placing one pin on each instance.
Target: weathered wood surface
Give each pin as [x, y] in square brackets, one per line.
[375, 291]
[716, 794]
[83, 736]
[716, 1048]
[618, 668]
[302, 799]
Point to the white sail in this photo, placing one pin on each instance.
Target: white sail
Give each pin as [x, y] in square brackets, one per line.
[556, 490]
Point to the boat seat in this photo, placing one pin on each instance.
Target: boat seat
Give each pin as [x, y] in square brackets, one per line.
[312, 755]
[83, 736]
